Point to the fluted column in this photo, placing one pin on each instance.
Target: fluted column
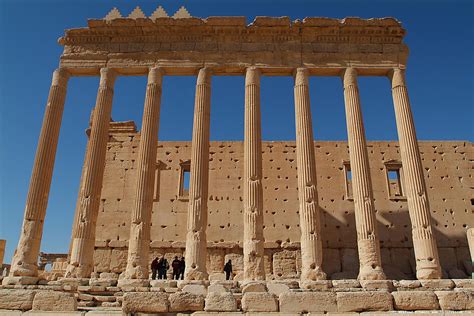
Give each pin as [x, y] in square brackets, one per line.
[25, 260]
[139, 240]
[311, 243]
[253, 243]
[370, 264]
[196, 242]
[81, 259]
[424, 242]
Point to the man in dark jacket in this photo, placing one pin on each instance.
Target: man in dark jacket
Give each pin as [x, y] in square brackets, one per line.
[176, 265]
[154, 268]
[228, 269]
[182, 268]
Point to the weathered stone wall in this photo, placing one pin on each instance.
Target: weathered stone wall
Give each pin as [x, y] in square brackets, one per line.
[447, 172]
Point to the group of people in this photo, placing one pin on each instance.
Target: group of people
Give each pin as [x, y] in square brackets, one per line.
[160, 266]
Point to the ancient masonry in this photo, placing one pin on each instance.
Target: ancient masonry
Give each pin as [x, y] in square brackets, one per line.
[310, 226]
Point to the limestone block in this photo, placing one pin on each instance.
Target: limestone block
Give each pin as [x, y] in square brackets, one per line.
[320, 285]
[10, 313]
[345, 284]
[108, 276]
[304, 302]
[102, 260]
[186, 302]
[215, 262]
[364, 301]
[464, 283]
[220, 302]
[406, 284]
[217, 288]
[16, 299]
[376, 284]
[54, 301]
[277, 288]
[196, 289]
[259, 302]
[148, 302]
[456, 300]
[118, 260]
[437, 284]
[254, 287]
[217, 276]
[284, 264]
[415, 300]
[103, 282]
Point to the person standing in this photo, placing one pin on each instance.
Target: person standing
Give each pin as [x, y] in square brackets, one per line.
[182, 268]
[154, 268]
[228, 269]
[176, 265]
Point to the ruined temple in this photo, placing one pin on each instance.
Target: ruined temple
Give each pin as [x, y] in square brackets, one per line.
[310, 226]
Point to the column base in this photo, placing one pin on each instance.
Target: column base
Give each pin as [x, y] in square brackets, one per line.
[370, 273]
[428, 273]
[23, 280]
[133, 283]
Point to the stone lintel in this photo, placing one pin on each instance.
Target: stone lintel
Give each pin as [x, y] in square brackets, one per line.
[178, 68]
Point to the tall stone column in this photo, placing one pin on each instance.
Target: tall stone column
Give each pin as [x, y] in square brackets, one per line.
[82, 250]
[370, 263]
[253, 193]
[24, 263]
[424, 242]
[139, 240]
[196, 242]
[311, 243]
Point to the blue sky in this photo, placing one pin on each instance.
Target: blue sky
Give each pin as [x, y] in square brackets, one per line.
[440, 72]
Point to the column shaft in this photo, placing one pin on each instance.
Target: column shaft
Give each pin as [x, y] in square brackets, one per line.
[82, 250]
[139, 240]
[196, 242]
[370, 264]
[25, 260]
[253, 193]
[424, 242]
[311, 243]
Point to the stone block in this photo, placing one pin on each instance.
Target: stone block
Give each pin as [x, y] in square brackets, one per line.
[217, 276]
[145, 302]
[437, 284]
[364, 301]
[217, 288]
[277, 288]
[464, 283]
[16, 299]
[163, 283]
[345, 284]
[54, 301]
[456, 300]
[197, 289]
[319, 285]
[108, 276]
[284, 264]
[186, 302]
[133, 283]
[254, 286]
[10, 313]
[259, 302]
[103, 282]
[220, 302]
[304, 302]
[376, 284]
[407, 284]
[415, 300]
[23, 280]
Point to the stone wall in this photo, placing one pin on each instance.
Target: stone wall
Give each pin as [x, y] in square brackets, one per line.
[447, 172]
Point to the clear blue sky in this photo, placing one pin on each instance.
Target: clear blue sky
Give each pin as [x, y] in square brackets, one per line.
[440, 71]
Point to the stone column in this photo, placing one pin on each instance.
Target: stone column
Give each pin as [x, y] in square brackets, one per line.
[196, 242]
[424, 242]
[253, 193]
[81, 260]
[24, 263]
[139, 240]
[370, 264]
[311, 243]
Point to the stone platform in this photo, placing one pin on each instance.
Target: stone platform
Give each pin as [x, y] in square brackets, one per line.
[284, 297]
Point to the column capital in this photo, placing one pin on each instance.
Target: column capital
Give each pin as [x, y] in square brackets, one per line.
[252, 76]
[301, 76]
[397, 76]
[155, 75]
[204, 76]
[349, 77]
[60, 77]
[107, 77]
